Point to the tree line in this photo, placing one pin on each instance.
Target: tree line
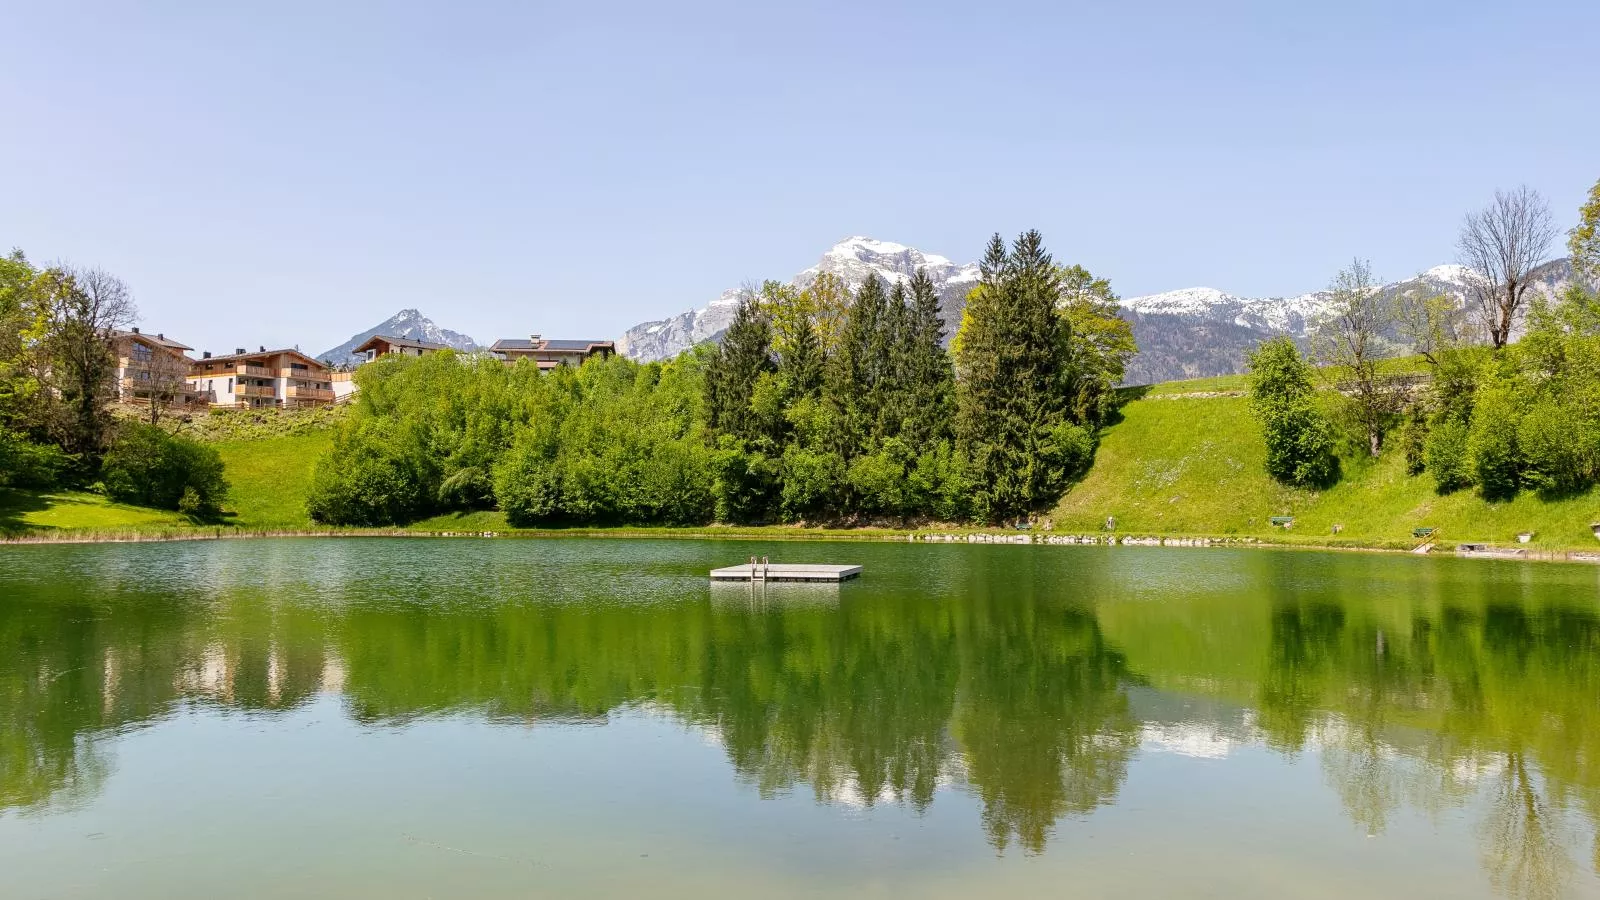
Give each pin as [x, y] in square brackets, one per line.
[1471, 407]
[817, 405]
[57, 366]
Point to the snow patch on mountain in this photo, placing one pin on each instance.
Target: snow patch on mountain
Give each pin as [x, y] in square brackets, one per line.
[1188, 333]
[852, 260]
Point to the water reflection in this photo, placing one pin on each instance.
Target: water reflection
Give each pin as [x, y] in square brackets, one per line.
[1031, 687]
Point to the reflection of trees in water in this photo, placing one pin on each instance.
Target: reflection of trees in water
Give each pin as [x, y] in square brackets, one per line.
[1493, 706]
[74, 669]
[1525, 846]
[865, 702]
[884, 698]
[1043, 722]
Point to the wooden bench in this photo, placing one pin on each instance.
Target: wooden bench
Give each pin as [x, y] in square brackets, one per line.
[1281, 521]
[1422, 532]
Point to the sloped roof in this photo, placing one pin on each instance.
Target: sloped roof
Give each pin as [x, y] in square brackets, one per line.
[290, 350]
[161, 339]
[399, 342]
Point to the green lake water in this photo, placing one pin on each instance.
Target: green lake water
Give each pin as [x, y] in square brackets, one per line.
[592, 718]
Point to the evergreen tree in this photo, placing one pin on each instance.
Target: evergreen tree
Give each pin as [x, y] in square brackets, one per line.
[1014, 360]
[794, 341]
[930, 379]
[743, 357]
[851, 380]
[891, 351]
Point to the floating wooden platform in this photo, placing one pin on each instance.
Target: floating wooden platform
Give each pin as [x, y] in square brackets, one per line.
[785, 572]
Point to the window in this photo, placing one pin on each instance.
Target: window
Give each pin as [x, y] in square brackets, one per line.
[230, 385]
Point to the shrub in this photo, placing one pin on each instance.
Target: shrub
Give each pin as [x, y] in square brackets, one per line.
[1072, 449]
[1415, 440]
[528, 488]
[674, 484]
[149, 467]
[811, 480]
[1300, 444]
[28, 465]
[879, 479]
[745, 483]
[1557, 455]
[365, 479]
[1492, 444]
[1444, 455]
[941, 484]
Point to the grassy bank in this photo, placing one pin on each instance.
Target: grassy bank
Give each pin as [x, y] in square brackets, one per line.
[1186, 459]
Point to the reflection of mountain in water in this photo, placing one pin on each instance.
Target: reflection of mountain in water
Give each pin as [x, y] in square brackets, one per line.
[1033, 702]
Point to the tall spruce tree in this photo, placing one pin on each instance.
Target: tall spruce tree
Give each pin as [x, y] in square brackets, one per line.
[794, 341]
[929, 378]
[891, 351]
[743, 357]
[1014, 360]
[851, 380]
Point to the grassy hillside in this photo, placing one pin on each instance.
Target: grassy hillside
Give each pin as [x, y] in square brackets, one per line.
[1188, 458]
[268, 478]
[33, 512]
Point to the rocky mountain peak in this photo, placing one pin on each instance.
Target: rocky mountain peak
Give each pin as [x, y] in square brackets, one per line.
[407, 323]
[852, 260]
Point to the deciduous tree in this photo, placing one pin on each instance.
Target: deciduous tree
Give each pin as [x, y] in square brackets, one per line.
[1349, 344]
[1502, 244]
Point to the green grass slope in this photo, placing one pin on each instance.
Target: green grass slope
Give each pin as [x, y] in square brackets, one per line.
[269, 478]
[56, 512]
[1180, 462]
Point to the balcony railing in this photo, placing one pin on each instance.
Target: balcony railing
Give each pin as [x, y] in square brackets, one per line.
[254, 371]
[296, 392]
[253, 390]
[303, 373]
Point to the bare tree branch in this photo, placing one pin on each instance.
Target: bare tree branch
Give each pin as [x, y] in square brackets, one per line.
[1349, 344]
[1502, 244]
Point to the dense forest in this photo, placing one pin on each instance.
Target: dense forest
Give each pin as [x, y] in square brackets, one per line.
[815, 406]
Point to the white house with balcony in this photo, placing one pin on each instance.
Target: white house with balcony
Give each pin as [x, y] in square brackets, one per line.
[285, 379]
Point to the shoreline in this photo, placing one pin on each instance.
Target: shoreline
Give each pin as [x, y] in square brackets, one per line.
[1512, 553]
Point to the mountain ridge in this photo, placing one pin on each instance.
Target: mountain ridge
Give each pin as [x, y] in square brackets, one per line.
[1192, 332]
[407, 323]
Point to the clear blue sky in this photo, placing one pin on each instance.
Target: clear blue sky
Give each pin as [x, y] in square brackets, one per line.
[292, 173]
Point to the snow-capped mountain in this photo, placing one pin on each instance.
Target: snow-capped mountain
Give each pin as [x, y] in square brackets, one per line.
[852, 260]
[407, 323]
[1200, 332]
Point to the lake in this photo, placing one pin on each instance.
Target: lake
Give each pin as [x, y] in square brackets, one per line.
[592, 718]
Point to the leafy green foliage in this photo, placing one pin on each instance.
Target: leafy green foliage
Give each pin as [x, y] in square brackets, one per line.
[1299, 439]
[812, 407]
[1492, 442]
[1583, 242]
[26, 464]
[1015, 356]
[367, 478]
[1445, 455]
[149, 467]
[735, 369]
